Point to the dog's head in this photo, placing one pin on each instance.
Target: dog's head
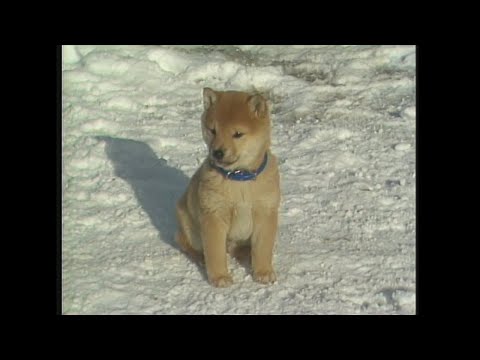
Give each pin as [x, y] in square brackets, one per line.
[236, 128]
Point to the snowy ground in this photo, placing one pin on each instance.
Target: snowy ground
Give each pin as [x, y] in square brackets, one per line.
[343, 128]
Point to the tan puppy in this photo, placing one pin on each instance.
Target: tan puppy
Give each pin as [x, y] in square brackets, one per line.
[234, 196]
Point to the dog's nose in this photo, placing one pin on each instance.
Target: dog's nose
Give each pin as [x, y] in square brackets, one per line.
[218, 154]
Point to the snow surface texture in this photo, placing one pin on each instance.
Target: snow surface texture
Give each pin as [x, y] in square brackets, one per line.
[343, 122]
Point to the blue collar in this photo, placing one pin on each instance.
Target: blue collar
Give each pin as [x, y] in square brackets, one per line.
[241, 175]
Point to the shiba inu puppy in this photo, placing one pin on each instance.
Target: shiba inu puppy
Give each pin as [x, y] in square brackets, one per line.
[233, 198]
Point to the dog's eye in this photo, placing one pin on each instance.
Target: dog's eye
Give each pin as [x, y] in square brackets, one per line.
[237, 135]
[212, 131]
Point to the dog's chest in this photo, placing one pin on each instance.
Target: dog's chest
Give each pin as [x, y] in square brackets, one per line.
[242, 222]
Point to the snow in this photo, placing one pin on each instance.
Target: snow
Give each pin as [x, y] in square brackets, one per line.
[343, 120]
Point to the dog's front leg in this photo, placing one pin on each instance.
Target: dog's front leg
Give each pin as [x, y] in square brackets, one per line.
[214, 237]
[263, 241]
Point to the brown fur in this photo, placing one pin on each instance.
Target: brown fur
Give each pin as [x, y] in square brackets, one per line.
[217, 215]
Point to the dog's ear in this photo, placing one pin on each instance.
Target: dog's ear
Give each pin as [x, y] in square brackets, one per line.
[258, 105]
[209, 98]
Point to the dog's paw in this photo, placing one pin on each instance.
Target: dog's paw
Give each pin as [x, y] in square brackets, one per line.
[265, 277]
[221, 281]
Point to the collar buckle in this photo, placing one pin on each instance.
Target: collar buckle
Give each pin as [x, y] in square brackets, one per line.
[241, 175]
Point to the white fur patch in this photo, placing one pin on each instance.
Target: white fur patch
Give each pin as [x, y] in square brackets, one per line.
[242, 223]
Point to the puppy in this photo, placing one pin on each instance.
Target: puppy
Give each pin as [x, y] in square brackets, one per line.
[233, 198]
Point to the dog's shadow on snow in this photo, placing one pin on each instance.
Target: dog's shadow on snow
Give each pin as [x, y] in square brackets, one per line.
[156, 185]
